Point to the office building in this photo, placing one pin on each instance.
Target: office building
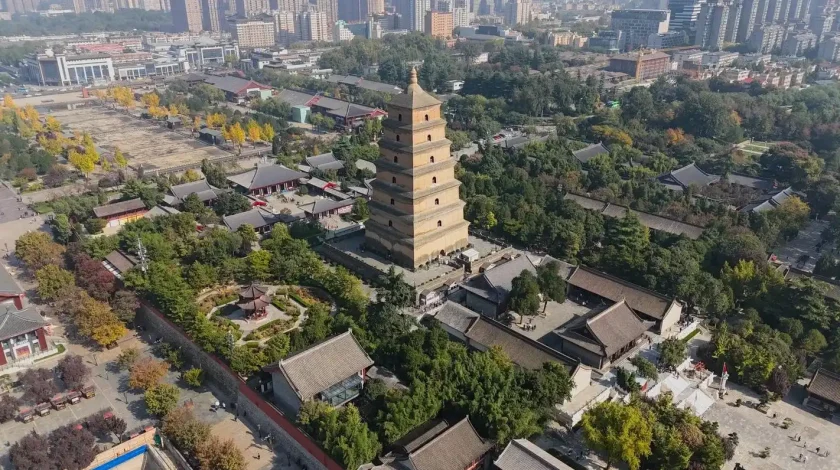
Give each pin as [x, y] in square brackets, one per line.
[249, 8]
[719, 59]
[374, 29]
[796, 44]
[609, 41]
[518, 12]
[186, 16]
[734, 21]
[711, 26]
[375, 7]
[330, 8]
[684, 15]
[285, 25]
[313, 26]
[638, 25]
[439, 24]
[254, 32]
[767, 38]
[416, 214]
[667, 40]
[341, 32]
[460, 17]
[641, 66]
[413, 13]
[353, 10]
[746, 24]
[212, 15]
[62, 69]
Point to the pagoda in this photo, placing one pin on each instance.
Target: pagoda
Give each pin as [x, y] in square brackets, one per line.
[417, 215]
[253, 300]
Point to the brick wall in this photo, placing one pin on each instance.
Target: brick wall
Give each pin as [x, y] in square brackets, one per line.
[294, 443]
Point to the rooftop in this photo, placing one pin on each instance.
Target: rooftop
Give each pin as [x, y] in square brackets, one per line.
[117, 208]
[614, 289]
[825, 385]
[414, 96]
[323, 365]
[265, 175]
[8, 285]
[256, 218]
[588, 153]
[325, 205]
[688, 175]
[521, 454]
[605, 332]
[14, 322]
[456, 448]
[325, 161]
[200, 188]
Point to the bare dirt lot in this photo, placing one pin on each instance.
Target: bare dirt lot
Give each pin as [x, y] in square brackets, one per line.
[144, 143]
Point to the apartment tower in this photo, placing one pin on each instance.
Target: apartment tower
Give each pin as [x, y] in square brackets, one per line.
[186, 16]
[416, 213]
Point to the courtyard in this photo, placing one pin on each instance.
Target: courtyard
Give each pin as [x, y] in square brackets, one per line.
[145, 144]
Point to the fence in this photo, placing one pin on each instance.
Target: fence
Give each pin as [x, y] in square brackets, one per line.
[292, 440]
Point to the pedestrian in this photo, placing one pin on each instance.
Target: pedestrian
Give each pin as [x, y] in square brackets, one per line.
[800, 457]
[818, 451]
[259, 456]
[798, 438]
[235, 418]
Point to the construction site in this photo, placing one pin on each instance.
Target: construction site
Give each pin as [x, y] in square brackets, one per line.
[148, 146]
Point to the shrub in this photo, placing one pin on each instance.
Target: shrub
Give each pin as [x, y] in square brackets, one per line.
[194, 377]
[270, 329]
[127, 358]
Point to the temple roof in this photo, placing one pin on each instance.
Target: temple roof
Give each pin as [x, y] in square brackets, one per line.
[253, 291]
[255, 304]
[414, 96]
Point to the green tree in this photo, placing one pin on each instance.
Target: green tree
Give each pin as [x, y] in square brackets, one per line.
[62, 229]
[671, 353]
[161, 399]
[36, 250]
[277, 347]
[621, 432]
[552, 285]
[525, 294]
[646, 368]
[220, 454]
[360, 210]
[184, 429]
[194, 376]
[668, 450]
[341, 432]
[393, 290]
[54, 282]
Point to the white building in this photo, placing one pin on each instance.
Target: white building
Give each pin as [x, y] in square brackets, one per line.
[460, 17]
[638, 25]
[518, 12]
[62, 69]
[341, 32]
[285, 24]
[254, 32]
[313, 26]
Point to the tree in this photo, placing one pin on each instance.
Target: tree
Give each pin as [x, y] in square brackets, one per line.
[36, 250]
[621, 432]
[340, 431]
[38, 385]
[193, 377]
[96, 320]
[277, 347]
[9, 406]
[525, 295]
[813, 342]
[146, 373]
[671, 353]
[82, 162]
[73, 372]
[127, 358]
[393, 290]
[779, 383]
[71, 447]
[62, 228]
[552, 285]
[161, 399]
[185, 430]
[119, 159]
[646, 368]
[214, 174]
[54, 282]
[93, 277]
[254, 131]
[229, 203]
[246, 361]
[124, 303]
[236, 134]
[627, 380]
[360, 210]
[31, 452]
[220, 454]
[267, 132]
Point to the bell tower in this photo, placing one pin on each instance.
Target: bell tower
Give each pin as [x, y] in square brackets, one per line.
[416, 212]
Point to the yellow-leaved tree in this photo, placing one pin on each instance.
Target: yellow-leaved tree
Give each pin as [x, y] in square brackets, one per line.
[151, 100]
[119, 159]
[268, 132]
[254, 131]
[8, 102]
[81, 162]
[237, 135]
[53, 124]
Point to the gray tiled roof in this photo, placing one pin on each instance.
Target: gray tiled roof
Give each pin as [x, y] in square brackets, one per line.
[456, 316]
[295, 98]
[159, 210]
[121, 261]
[265, 175]
[256, 218]
[325, 205]
[769, 202]
[119, 207]
[611, 329]
[825, 385]
[8, 285]
[323, 365]
[454, 449]
[585, 154]
[763, 184]
[200, 188]
[521, 454]
[325, 161]
[612, 288]
[14, 322]
[689, 175]
[500, 277]
[233, 84]
[523, 351]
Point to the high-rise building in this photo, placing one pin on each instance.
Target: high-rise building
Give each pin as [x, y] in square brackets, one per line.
[766, 38]
[249, 8]
[78, 6]
[829, 49]
[212, 15]
[295, 6]
[518, 12]
[341, 32]
[641, 66]
[330, 8]
[413, 13]
[711, 26]
[638, 25]
[684, 15]
[749, 12]
[186, 16]
[439, 24]
[285, 24]
[797, 44]
[734, 21]
[774, 11]
[353, 10]
[460, 17]
[796, 11]
[416, 214]
[254, 32]
[375, 7]
[822, 24]
[313, 26]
